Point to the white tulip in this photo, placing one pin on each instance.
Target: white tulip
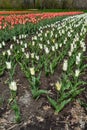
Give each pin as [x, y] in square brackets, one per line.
[37, 57]
[84, 48]
[32, 55]
[53, 48]
[40, 45]
[65, 65]
[60, 45]
[21, 42]
[56, 46]
[9, 52]
[48, 42]
[32, 71]
[25, 45]
[3, 43]
[35, 37]
[22, 49]
[70, 53]
[11, 46]
[23, 36]
[8, 65]
[45, 34]
[46, 50]
[14, 38]
[78, 58]
[33, 43]
[27, 55]
[58, 86]
[18, 41]
[13, 86]
[77, 72]
[20, 37]
[3, 53]
[41, 39]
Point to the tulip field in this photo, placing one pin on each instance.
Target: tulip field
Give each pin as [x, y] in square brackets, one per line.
[13, 19]
[43, 58]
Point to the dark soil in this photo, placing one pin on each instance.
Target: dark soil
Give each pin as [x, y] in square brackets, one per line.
[38, 114]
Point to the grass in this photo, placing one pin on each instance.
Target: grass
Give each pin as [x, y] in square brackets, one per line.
[44, 10]
[57, 10]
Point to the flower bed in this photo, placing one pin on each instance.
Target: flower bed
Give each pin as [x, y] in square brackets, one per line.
[51, 63]
[12, 20]
[13, 12]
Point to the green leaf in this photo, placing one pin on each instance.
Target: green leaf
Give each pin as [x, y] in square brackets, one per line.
[38, 93]
[62, 104]
[83, 67]
[52, 102]
[2, 71]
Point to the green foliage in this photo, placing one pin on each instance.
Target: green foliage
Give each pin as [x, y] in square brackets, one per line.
[82, 103]
[16, 109]
[67, 94]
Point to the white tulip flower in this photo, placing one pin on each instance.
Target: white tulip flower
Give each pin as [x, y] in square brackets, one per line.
[72, 47]
[40, 45]
[84, 48]
[37, 57]
[18, 41]
[9, 52]
[70, 53]
[32, 55]
[46, 50]
[13, 86]
[65, 65]
[27, 55]
[53, 48]
[21, 42]
[32, 71]
[78, 58]
[56, 46]
[41, 38]
[11, 46]
[77, 72]
[48, 42]
[23, 36]
[25, 45]
[14, 38]
[45, 34]
[33, 43]
[58, 86]
[20, 37]
[22, 49]
[3, 53]
[8, 65]
[35, 37]
[3, 43]
[60, 45]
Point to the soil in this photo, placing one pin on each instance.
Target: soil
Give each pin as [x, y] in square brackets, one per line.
[39, 114]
